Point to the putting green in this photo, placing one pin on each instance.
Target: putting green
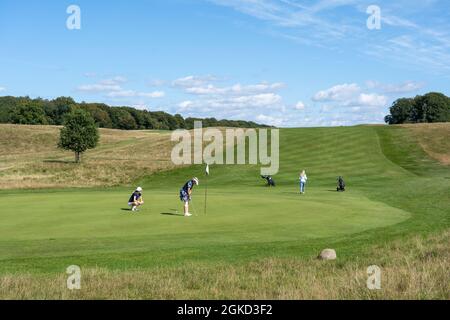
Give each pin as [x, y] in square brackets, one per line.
[249, 216]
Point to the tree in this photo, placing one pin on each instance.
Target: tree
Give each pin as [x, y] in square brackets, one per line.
[401, 111]
[122, 119]
[433, 107]
[79, 134]
[429, 108]
[29, 113]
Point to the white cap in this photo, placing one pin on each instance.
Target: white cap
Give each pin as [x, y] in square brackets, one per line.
[139, 189]
[195, 180]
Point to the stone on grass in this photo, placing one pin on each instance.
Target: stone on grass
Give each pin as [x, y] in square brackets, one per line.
[327, 254]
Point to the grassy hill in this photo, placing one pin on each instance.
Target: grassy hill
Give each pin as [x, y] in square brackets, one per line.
[30, 159]
[255, 242]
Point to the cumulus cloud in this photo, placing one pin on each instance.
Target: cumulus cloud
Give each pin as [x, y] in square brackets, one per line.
[228, 101]
[300, 106]
[270, 120]
[345, 95]
[371, 100]
[237, 89]
[193, 81]
[106, 85]
[339, 92]
[113, 88]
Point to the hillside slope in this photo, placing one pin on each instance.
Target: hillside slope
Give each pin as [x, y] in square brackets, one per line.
[29, 158]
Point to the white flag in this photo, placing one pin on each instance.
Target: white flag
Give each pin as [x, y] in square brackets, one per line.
[207, 169]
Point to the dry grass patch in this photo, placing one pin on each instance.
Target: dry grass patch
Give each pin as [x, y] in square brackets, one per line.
[434, 139]
[29, 158]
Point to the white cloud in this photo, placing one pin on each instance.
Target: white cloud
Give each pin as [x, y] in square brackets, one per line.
[140, 106]
[2, 89]
[228, 101]
[405, 87]
[237, 89]
[154, 94]
[112, 88]
[99, 87]
[185, 105]
[251, 101]
[371, 100]
[349, 95]
[105, 85]
[337, 93]
[270, 120]
[300, 106]
[193, 81]
[114, 81]
[132, 93]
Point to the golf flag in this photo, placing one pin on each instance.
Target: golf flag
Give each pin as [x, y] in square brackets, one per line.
[206, 185]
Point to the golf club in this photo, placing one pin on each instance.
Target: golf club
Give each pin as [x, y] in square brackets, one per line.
[193, 208]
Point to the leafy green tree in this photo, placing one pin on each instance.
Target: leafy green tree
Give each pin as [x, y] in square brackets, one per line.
[28, 113]
[433, 107]
[63, 106]
[180, 121]
[79, 134]
[122, 119]
[401, 111]
[100, 114]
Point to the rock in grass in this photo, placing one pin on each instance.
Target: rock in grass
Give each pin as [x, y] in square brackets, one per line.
[327, 254]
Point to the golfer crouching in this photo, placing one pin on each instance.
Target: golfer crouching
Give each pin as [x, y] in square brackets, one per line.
[136, 199]
[186, 194]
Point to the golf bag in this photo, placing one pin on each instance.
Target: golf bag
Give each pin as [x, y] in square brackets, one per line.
[340, 185]
[270, 181]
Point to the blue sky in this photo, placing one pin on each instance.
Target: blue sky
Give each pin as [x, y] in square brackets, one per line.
[285, 62]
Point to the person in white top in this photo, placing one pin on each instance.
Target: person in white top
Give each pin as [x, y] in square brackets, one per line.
[303, 178]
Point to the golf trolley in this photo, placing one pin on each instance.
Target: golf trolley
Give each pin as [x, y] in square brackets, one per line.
[270, 181]
[340, 185]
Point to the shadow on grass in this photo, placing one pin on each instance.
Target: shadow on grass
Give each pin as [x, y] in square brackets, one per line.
[125, 209]
[60, 161]
[172, 214]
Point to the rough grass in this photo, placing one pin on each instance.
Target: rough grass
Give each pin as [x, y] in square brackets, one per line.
[412, 269]
[29, 158]
[434, 139]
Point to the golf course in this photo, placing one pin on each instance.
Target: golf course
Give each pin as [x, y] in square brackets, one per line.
[248, 240]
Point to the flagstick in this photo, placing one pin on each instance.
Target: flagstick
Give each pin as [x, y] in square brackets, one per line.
[206, 191]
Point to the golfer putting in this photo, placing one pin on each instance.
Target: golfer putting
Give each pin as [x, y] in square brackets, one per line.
[136, 200]
[186, 194]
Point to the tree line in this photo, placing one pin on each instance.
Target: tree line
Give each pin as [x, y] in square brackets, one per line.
[24, 110]
[429, 108]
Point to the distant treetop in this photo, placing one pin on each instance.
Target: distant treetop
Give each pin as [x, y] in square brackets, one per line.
[24, 110]
[429, 108]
